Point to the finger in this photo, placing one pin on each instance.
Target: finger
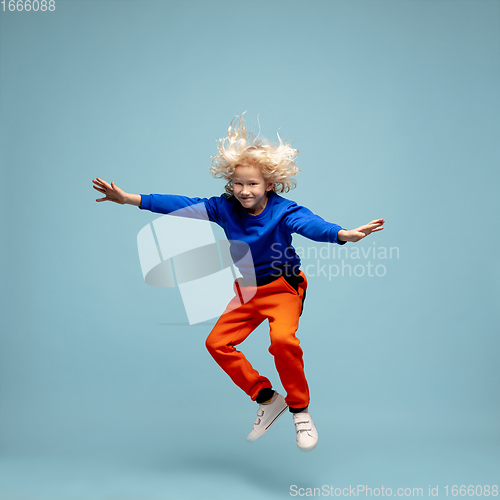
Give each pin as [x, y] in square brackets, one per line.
[99, 189]
[104, 183]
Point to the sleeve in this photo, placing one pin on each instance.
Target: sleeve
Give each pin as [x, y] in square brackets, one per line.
[182, 206]
[302, 221]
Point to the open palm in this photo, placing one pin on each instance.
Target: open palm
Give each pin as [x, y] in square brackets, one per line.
[111, 191]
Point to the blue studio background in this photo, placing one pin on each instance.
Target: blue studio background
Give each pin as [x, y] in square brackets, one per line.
[106, 392]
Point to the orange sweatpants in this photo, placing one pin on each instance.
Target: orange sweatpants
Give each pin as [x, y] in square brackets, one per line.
[281, 304]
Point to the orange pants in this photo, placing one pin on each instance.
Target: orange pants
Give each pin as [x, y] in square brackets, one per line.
[281, 304]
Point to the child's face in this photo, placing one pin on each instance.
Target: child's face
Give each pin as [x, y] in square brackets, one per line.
[250, 188]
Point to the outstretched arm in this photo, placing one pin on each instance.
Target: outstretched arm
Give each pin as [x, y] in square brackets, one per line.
[113, 193]
[360, 232]
[179, 206]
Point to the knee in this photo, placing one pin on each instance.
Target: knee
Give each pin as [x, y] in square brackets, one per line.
[215, 346]
[211, 344]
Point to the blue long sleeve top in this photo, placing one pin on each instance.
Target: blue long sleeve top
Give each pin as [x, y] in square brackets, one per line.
[268, 234]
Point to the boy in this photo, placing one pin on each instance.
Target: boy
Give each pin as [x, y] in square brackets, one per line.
[252, 211]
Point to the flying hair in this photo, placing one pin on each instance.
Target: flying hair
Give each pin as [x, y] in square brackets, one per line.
[241, 147]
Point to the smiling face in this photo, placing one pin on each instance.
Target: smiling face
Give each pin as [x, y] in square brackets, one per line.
[250, 188]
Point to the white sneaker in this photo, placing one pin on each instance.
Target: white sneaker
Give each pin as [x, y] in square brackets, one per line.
[267, 414]
[307, 435]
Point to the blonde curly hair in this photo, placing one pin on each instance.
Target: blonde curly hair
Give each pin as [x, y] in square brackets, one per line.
[243, 148]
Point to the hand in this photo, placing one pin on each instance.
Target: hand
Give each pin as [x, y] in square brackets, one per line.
[112, 191]
[360, 232]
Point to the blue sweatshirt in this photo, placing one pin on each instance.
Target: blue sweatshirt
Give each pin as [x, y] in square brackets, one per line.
[268, 234]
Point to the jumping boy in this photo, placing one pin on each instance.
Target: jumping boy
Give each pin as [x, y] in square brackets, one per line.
[253, 212]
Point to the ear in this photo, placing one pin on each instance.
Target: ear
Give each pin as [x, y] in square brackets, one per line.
[270, 185]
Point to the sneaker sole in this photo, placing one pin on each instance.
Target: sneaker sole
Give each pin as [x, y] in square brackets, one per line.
[310, 448]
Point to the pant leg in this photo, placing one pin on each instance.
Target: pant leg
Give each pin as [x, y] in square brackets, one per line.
[232, 328]
[282, 305]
